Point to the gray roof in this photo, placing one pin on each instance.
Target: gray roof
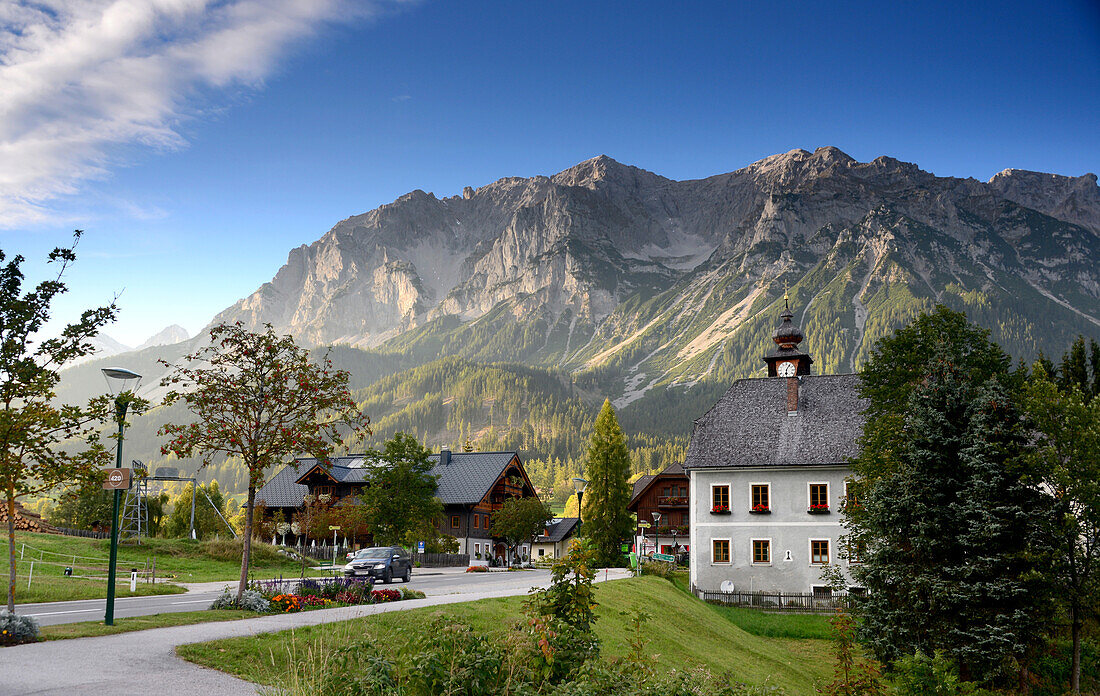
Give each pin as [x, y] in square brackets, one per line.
[464, 481]
[671, 471]
[640, 485]
[469, 476]
[559, 528]
[750, 426]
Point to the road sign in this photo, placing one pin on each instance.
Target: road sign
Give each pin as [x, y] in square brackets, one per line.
[664, 557]
[644, 525]
[420, 547]
[333, 528]
[117, 480]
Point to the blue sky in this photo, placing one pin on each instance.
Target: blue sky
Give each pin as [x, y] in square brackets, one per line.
[198, 141]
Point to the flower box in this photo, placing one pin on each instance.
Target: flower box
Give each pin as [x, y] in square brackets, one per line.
[720, 510]
[760, 510]
[818, 510]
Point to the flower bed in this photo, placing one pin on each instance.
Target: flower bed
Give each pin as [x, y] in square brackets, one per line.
[478, 569]
[720, 510]
[818, 510]
[760, 510]
[286, 603]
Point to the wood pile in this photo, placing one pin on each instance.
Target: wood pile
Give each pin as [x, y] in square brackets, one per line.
[25, 520]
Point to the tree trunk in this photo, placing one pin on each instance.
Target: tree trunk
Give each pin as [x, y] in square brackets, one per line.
[11, 551]
[246, 553]
[1075, 667]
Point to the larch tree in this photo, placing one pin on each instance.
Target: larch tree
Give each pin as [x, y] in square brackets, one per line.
[260, 397]
[37, 453]
[606, 520]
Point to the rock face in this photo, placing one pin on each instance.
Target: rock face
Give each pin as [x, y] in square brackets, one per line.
[609, 267]
[165, 337]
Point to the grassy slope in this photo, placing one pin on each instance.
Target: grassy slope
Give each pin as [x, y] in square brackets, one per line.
[683, 631]
[176, 559]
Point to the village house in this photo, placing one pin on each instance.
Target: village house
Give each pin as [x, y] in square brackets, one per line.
[555, 538]
[665, 494]
[471, 485]
[768, 466]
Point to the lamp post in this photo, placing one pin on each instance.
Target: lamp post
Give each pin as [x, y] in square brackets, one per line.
[121, 383]
[579, 485]
[657, 532]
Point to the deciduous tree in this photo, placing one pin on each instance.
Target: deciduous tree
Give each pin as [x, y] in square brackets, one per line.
[606, 521]
[400, 495]
[1068, 456]
[258, 396]
[36, 436]
[520, 520]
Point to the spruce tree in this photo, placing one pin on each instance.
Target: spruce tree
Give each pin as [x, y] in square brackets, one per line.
[954, 526]
[606, 521]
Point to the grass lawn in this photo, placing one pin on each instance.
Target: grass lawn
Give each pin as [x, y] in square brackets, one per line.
[85, 629]
[179, 560]
[771, 625]
[683, 632]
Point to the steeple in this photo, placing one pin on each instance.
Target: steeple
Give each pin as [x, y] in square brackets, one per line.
[787, 353]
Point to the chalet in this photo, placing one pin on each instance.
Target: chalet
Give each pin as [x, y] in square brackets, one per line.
[665, 494]
[555, 538]
[768, 466]
[471, 485]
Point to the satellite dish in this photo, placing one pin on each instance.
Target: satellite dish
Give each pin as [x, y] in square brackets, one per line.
[727, 586]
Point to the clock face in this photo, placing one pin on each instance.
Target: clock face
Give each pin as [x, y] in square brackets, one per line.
[786, 370]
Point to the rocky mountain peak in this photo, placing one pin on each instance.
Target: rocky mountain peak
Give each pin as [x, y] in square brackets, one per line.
[1075, 199]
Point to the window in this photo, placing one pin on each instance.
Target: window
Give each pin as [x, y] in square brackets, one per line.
[477, 549]
[850, 497]
[721, 552]
[761, 550]
[477, 521]
[454, 521]
[720, 498]
[542, 552]
[761, 500]
[819, 551]
[668, 491]
[822, 593]
[819, 496]
[856, 551]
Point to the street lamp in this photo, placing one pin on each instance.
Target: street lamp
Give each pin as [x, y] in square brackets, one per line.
[579, 485]
[121, 383]
[657, 532]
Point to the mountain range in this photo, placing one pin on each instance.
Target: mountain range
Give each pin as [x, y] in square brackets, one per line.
[619, 282]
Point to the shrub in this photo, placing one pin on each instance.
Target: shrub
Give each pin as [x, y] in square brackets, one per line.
[252, 600]
[16, 629]
[659, 568]
[286, 603]
[918, 675]
[406, 593]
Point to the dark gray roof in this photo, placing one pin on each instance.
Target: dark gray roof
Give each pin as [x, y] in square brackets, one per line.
[750, 426]
[464, 481]
[469, 476]
[640, 485]
[559, 528]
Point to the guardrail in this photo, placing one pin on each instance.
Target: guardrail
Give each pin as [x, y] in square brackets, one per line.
[780, 601]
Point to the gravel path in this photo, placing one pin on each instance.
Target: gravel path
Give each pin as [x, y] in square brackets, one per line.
[144, 663]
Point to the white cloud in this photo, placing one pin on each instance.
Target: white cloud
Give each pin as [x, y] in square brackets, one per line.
[80, 78]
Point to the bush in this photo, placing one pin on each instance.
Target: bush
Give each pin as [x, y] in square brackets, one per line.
[659, 568]
[285, 603]
[406, 593]
[251, 600]
[921, 675]
[16, 629]
[477, 569]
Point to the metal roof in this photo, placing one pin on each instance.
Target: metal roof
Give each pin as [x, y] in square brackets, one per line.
[463, 481]
[750, 425]
[559, 528]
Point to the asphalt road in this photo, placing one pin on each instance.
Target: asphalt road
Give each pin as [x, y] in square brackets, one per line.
[434, 582]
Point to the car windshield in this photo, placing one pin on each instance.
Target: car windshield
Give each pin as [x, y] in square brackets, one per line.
[379, 552]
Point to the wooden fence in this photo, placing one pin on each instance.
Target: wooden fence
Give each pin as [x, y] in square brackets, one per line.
[779, 601]
[82, 533]
[441, 560]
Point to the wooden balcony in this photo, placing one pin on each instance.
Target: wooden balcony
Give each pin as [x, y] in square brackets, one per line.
[672, 502]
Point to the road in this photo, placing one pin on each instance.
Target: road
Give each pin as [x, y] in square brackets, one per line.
[434, 582]
[144, 662]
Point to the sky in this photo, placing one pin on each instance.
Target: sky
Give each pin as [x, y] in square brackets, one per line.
[196, 142]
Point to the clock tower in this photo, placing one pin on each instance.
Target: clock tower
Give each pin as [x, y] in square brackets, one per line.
[787, 360]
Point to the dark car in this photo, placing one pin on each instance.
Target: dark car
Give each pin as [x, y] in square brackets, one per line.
[382, 562]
